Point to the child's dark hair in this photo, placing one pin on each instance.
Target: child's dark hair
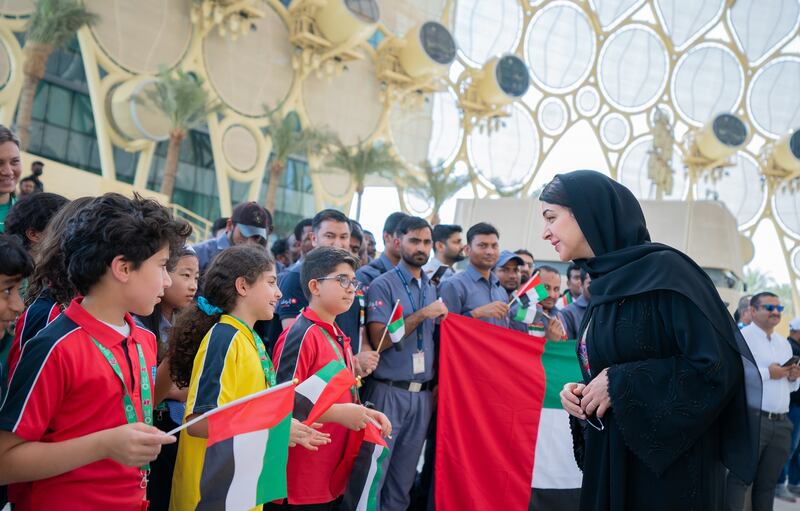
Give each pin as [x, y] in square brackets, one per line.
[153, 321]
[14, 259]
[320, 262]
[114, 225]
[51, 270]
[33, 212]
[219, 290]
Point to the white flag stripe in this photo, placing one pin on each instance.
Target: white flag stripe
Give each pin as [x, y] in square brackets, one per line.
[554, 464]
[248, 461]
[311, 388]
[373, 469]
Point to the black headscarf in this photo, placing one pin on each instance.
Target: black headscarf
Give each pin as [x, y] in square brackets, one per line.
[627, 263]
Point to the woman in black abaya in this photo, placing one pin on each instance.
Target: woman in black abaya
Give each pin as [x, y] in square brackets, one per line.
[671, 395]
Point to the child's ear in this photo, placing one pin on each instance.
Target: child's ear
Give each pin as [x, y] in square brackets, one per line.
[313, 286]
[121, 269]
[241, 286]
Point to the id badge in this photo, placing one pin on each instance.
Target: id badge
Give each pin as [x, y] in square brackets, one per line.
[419, 362]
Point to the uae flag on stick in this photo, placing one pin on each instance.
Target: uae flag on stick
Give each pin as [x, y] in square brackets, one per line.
[316, 394]
[362, 488]
[397, 325]
[564, 301]
[534, 289]
[247, 450]
[525, 314]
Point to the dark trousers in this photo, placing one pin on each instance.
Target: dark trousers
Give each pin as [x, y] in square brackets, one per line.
[776, 438]
[792, 467]
[161, 469]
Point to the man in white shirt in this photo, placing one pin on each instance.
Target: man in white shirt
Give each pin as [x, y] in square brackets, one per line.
[771, 352]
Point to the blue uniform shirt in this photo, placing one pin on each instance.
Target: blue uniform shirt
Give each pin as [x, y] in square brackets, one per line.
[375, 268]
[469, 290]
[207, 250]
[397, 365]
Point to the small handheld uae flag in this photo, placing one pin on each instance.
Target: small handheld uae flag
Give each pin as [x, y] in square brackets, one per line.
[247, 450]
[525, 314]
[534, 289]
[397, 325]
[316, 394]
[564, 301]
[362, 488]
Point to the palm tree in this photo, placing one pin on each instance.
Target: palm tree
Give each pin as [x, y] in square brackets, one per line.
[363, 160]
[182, 98]
[52, 25]
[288, 139]
[503, 190]
[436, 187]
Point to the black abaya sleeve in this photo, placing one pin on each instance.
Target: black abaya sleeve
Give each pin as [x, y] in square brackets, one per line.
[663, 405]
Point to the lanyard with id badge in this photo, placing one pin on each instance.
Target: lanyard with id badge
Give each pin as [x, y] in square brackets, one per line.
[127, 403]
[418, 358]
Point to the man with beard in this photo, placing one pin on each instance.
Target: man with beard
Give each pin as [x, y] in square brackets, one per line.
[476, 292]
[448, 249]
[389, 258]
[526, 269]
[401, 384]
[508, 273]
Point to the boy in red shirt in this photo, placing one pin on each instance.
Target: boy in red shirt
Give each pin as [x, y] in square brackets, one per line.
[76, 425]
[329, 282]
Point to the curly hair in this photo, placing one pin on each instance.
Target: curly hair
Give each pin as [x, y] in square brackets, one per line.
[114, 225]
[50, 271]
[219, 288]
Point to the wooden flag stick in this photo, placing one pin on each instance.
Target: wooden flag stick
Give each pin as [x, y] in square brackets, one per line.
[386, 328]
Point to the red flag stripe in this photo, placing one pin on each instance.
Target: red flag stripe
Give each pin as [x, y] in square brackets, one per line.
[253, 415]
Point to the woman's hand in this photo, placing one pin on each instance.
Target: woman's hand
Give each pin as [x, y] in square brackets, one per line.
[596, 400]
[571, 399]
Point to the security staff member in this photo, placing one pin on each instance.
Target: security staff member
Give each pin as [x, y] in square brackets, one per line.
[401, 384]
[476, 291]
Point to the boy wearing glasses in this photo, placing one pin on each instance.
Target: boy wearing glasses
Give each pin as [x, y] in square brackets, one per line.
[779, 374]
[313, 341]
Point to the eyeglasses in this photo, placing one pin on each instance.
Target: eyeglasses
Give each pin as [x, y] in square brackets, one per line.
[599, 426]
[769, 307]
[344, 281]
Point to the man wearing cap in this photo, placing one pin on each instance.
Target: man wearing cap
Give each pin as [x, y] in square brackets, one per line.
[508, 273]
[249, 224]
[792, 468]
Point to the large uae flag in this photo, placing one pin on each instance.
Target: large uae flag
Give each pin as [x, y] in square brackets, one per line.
[491, 388]
[246, 453]
[556, 477]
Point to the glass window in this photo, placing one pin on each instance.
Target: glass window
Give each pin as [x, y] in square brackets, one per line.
[59, 107]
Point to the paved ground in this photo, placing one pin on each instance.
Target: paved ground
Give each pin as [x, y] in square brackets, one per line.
[786, 506]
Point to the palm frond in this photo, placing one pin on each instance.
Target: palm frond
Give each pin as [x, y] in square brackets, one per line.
[183, 99]
[363, 160]
[289, 138]
[55, 22]
[436, 187]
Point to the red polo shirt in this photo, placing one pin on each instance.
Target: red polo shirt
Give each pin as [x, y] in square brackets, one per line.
[301, 351]
[38, 315]
[64, 388]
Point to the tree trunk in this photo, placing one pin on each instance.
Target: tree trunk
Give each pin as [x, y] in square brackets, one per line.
[360, 194]
[171, 166]
[275, 174]
[35, 63]
[435, 220]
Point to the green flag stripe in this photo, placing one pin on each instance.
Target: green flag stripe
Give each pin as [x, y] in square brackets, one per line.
[373, 491]
[395, 326]
[272, 481]
[330, 370]
[560, 367]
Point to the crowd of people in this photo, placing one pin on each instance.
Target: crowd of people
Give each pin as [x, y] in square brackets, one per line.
[115, 331]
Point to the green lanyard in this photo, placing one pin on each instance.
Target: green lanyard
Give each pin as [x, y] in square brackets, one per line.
[144, 387]
[353, 389]
[266, 363]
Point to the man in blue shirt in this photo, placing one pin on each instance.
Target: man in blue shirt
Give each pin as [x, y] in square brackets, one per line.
[249, 224]
[448, 249]
[476, 292]
[390, 256]
[401, 384]
[572, 314]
